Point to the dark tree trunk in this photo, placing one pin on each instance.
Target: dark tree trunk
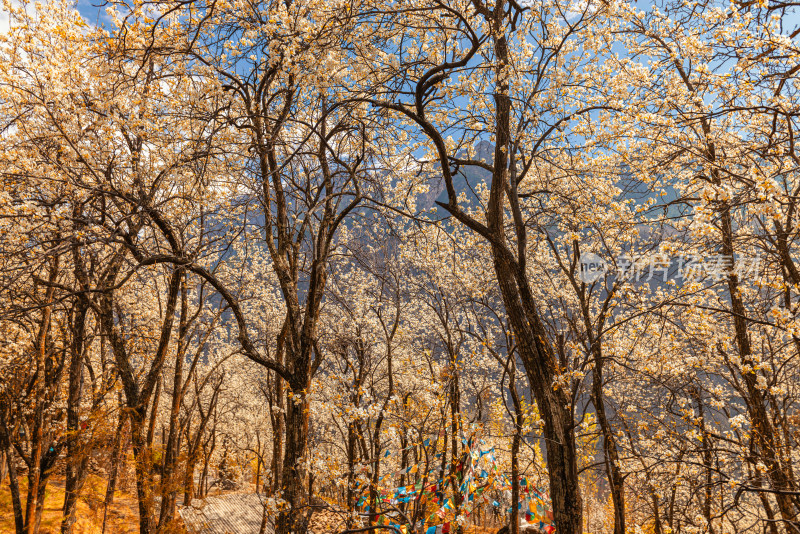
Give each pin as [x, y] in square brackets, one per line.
[294, 483]
[657, 526]
[40, 495]
[34, 469]
[117, 454]
[515, 444]
[140, 393]
[194, 446]
[278, 415]
[555, 404]
[169, 481]
[3, 466]
[455, 413]
[77, 455]
[510, 266]
[351, 463]
[403, 456]
[13, 478]
[208, 449]
[610, 452]
[188, 481]
[767, 439]
[143, 459]
[40, 387]
[151, 426]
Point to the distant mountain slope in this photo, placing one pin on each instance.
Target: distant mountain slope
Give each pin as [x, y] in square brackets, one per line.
[465, 181]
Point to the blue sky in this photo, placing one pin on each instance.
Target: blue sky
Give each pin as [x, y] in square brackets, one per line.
[93, 11]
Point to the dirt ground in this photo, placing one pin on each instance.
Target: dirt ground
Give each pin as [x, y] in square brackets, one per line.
[122, 516]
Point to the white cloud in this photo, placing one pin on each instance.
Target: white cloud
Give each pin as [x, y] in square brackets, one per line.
[3, 21]
[4, 13]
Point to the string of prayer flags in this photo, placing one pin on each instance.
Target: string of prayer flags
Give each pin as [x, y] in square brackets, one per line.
[474, 473]
[444, 528]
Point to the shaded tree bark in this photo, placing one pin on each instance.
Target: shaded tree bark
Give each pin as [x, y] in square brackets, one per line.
[139, 394]
[77, 455]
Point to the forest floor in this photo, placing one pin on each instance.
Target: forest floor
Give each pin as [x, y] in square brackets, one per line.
[122, 517]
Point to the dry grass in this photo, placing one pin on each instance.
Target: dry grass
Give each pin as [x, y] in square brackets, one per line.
[123, 517]
[478, 529]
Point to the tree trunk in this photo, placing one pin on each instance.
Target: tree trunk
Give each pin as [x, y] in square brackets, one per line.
[13, 479]
[278, 416]
[351, 462]
[264, 516]
[208, 450]
[766, 438]
[37, 437]
[764, 432]
[116, 460]
[40, 494]
[455, 413]
[34, 470]
[278, 431]
[294, 485]
[139, 393]
[143, 458]
[151, 427]
[515, 444]
[169, 480]
[3, 466]
[77, 457]
[554, 403]
[610, 452]
[657, 527]
[188, 481]
[403, 458]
